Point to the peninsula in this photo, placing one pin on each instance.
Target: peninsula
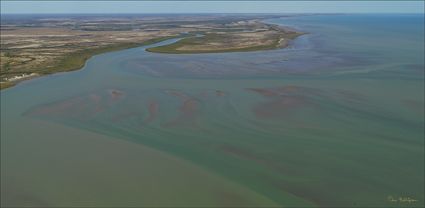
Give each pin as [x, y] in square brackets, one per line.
[36, 45]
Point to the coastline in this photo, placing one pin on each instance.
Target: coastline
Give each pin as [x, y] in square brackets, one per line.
[76, 61]
[279, 42]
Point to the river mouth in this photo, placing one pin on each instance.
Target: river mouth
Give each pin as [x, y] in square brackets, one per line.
[308, 125]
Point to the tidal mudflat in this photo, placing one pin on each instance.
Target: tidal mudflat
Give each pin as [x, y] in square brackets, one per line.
[336, 119]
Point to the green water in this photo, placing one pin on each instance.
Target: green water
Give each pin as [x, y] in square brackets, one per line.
[335, 120]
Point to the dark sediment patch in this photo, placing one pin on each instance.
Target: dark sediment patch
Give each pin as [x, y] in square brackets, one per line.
[189, 108]
[115, 95]
[220, 93]
[283, 100]
[55, 108]
[177, 94]
[96, 100]
[281, 91]
[239, 152]
[257, 158]
[264, 91]
[79, 107]
[280, 107]
[188, 114]
[153, 109]
[211, 94]
[292, 89]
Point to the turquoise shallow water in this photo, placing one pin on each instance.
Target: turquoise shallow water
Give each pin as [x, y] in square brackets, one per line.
[336, 119]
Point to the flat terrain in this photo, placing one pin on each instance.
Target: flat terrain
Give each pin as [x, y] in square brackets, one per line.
[337, 120]
[256, 36]
[43, 45]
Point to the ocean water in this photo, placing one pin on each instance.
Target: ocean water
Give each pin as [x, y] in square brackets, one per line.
[336, 119]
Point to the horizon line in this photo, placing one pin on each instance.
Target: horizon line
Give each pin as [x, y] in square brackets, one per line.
[266, 13]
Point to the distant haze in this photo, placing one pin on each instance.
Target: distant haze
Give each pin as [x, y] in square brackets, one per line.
[62, 7]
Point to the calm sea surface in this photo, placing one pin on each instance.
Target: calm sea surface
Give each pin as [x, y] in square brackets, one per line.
[336, 119]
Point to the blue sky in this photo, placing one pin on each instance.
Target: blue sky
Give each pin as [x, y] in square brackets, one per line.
[145, 7]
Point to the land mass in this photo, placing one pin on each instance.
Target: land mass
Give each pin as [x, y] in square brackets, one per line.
[37, 45]
[266, 38]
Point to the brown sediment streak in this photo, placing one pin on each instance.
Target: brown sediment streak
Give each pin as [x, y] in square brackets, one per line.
[153, 111]
[248, 155]
[91, 105]
[189, 108]
[188, 113]
[264, 91]
[283, 100]
[219, 93]
[95, 98]
[115, 95]
[289, 89]
[84, 106]
[96, 101]
[285, 90]
[177, 94]
[239, 152]
[208, 93]
[55, 108]
[81, 107]
[279, 107]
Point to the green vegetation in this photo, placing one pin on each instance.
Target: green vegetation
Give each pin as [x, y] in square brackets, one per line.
[28, 56]
[76, 60]
[4, 85]
[221, 38]
[6, 65]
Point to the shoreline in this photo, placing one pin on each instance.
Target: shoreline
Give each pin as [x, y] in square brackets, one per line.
[77, 60]
[280, 42]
